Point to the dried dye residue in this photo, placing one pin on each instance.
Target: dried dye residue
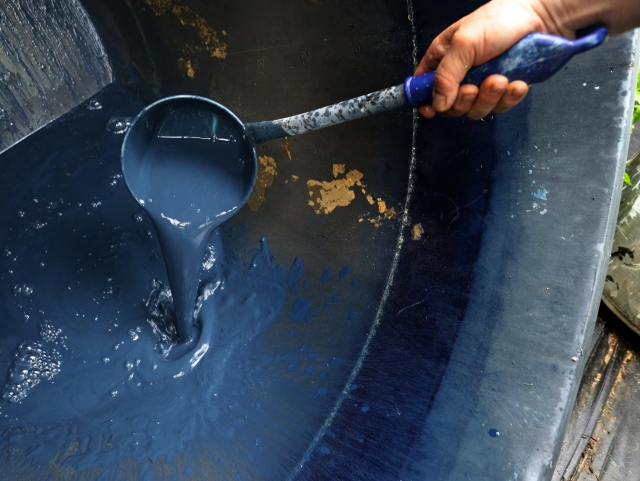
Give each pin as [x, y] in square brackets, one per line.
[326, 196]
[266, 174]
[417, 231]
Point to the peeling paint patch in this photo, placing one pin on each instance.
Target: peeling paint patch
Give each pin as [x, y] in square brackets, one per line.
[326, 196]
[338, 169]
[540, 194]
[370, 199]
[382, 206]
[266, 173]
[417, 231]
[294, 178]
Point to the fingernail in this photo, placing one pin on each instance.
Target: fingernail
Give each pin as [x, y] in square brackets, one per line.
[438, 101]
[468, 99]
[497, 89]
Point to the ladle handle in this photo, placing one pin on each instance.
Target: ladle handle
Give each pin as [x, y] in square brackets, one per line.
[533, 59]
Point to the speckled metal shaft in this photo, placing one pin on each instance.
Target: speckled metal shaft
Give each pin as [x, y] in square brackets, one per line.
[356, 108]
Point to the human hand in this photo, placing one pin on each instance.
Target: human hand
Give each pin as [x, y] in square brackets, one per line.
[474, 40]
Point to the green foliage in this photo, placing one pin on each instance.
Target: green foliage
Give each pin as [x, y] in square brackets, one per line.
[627, 179]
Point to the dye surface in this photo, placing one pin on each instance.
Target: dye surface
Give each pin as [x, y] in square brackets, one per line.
[85, 300]
[194, 173]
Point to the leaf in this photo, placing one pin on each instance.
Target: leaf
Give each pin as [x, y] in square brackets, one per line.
[627, 179]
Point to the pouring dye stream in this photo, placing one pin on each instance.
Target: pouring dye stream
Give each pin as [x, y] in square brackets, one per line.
[191, 164]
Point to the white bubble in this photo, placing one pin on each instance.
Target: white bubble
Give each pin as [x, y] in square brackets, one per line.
[94, 105]
[133, 335]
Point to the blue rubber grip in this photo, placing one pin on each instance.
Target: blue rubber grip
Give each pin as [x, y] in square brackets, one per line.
[533, 59]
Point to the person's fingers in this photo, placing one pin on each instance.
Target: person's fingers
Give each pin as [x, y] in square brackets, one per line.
[452, 69]
[489, 96]
[467, 95]
[436, 51]
[515, 93]
[426, 111]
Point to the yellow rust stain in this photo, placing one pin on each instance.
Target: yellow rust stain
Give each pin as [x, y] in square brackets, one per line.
[417, 231]
[326, 196]
[387, 215]
[159, 6]
[613, 341]
[266, 174]
[186, 68]
[208, 36]
[286, 148]
[623, 372]
[354, 177]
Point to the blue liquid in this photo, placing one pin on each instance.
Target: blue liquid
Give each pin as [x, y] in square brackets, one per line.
[195, 174]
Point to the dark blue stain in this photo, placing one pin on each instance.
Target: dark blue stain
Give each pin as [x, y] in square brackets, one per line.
[312, 356]
[292, 366]
[334, 299]
[309, 370]
[352, 315]
[494, 433]
[365, 409]
[325, 275]
[306, 457]
[322, 391]
[187, 471]
[305, 284]
[299, 309]
[354, 282]
[324, 450]
[295, 273]
[310, 315]
[335, 361]
[323, 375]
[344, 272]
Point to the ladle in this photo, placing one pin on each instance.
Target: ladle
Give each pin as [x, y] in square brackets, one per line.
[218, 163]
